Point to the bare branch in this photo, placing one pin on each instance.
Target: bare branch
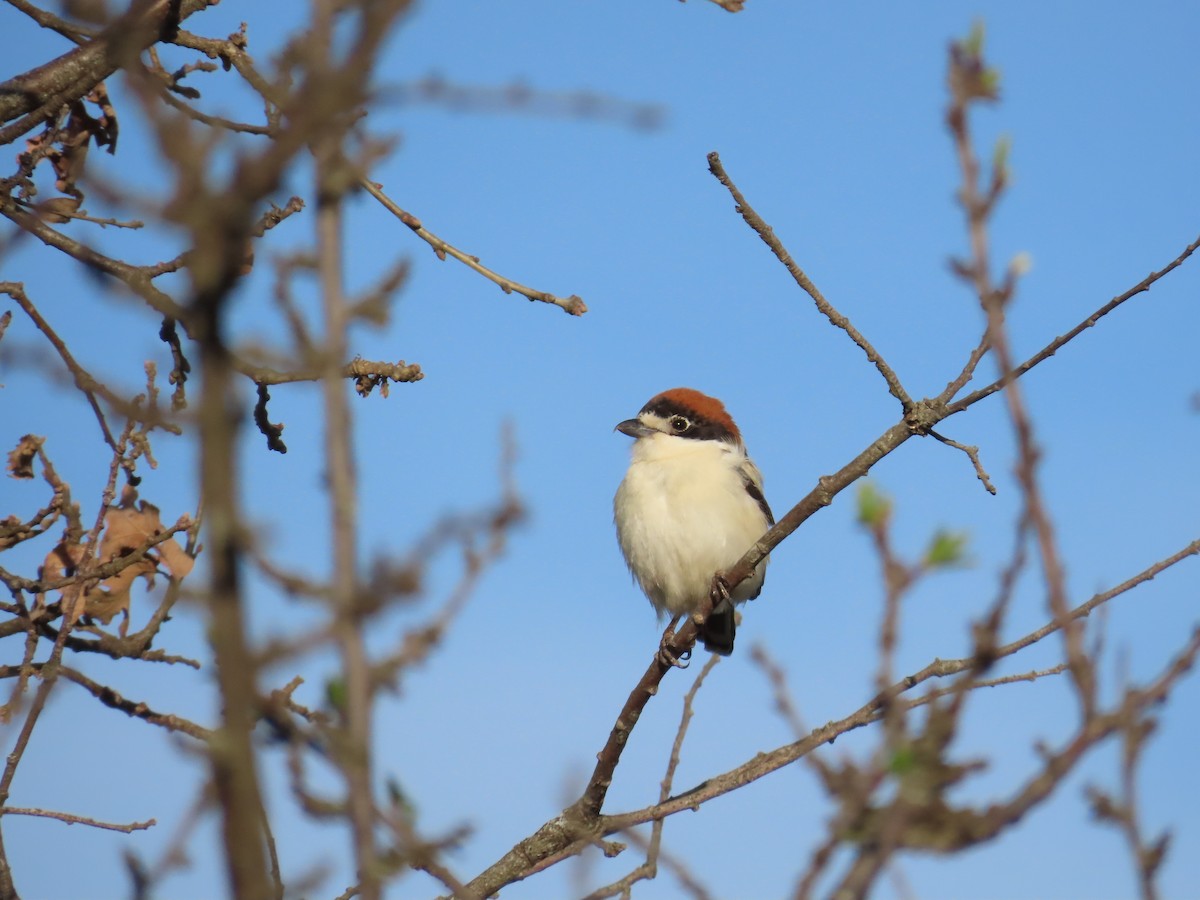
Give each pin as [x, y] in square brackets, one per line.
[653, 848]
[39, 94]
[520, 97]
[72, 819]
[1033, 675]
[572, 305]
[69, 30]
[84, 381]
[576, 828]
[972, 452]
[767, 233]
[366, 373]
[1062, 340]
[354, 757]
[133, 708]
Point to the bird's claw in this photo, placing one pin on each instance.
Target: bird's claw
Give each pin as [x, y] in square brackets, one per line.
[719, 593]
[667, 656]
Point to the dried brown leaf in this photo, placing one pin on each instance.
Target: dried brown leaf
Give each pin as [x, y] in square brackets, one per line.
[62, 560]
[20, 458]
[128, 527]
[107, 128]
[113, 595]
[58, 210]
[74, 140]
[69, 166]
[176, 559]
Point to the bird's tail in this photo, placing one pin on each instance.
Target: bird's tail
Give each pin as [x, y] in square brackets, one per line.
[718, 629]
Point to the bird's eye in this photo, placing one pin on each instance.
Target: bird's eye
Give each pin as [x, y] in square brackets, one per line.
[680, 424]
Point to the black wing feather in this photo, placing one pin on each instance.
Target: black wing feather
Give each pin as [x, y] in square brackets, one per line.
[753, 490]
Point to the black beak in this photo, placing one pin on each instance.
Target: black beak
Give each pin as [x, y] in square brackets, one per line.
[634, 428]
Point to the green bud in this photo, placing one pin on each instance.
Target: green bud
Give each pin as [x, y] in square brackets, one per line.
[974, 42]
[1000, 154]
[989, 82]
[335, 693]
[946, 549]
[874, 507]
[903, 761]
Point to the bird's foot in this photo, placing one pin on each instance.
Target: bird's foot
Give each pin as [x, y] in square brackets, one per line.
[666, 654]
[719, 592]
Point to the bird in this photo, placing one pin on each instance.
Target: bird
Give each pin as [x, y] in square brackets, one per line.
[690, 505]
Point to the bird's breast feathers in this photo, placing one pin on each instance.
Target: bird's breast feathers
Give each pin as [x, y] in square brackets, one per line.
[683, 513]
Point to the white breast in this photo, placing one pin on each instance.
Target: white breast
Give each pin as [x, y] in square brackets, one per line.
[683, 514]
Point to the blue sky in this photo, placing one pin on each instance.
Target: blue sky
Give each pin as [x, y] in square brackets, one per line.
[830, 119]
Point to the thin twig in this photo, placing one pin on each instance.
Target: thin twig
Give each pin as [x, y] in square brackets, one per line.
[84, 381]
[572, 305]
[871, 711]
[519, 97]
[972, 452]
[1033, 675]
[1059, 342]
[567, 834]
[968, 370]
[134, 708]
[764, 231]
[72, 819]
[70, 30]
[971, 81]
[688, 882]
[653, 848]
[358, 369]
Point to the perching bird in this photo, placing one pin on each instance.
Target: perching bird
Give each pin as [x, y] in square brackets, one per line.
[690, 506]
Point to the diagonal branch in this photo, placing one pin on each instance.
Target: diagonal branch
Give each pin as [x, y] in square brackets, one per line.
[572, 305]
[84, 381]
[653, 848]
[922, 417]
[573, 829]
[1059, 342]
[767, 233]
[771, 761]
[69, 30]
[33, 96]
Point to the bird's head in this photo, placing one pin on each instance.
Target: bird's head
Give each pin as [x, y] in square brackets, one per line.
[684, 413]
